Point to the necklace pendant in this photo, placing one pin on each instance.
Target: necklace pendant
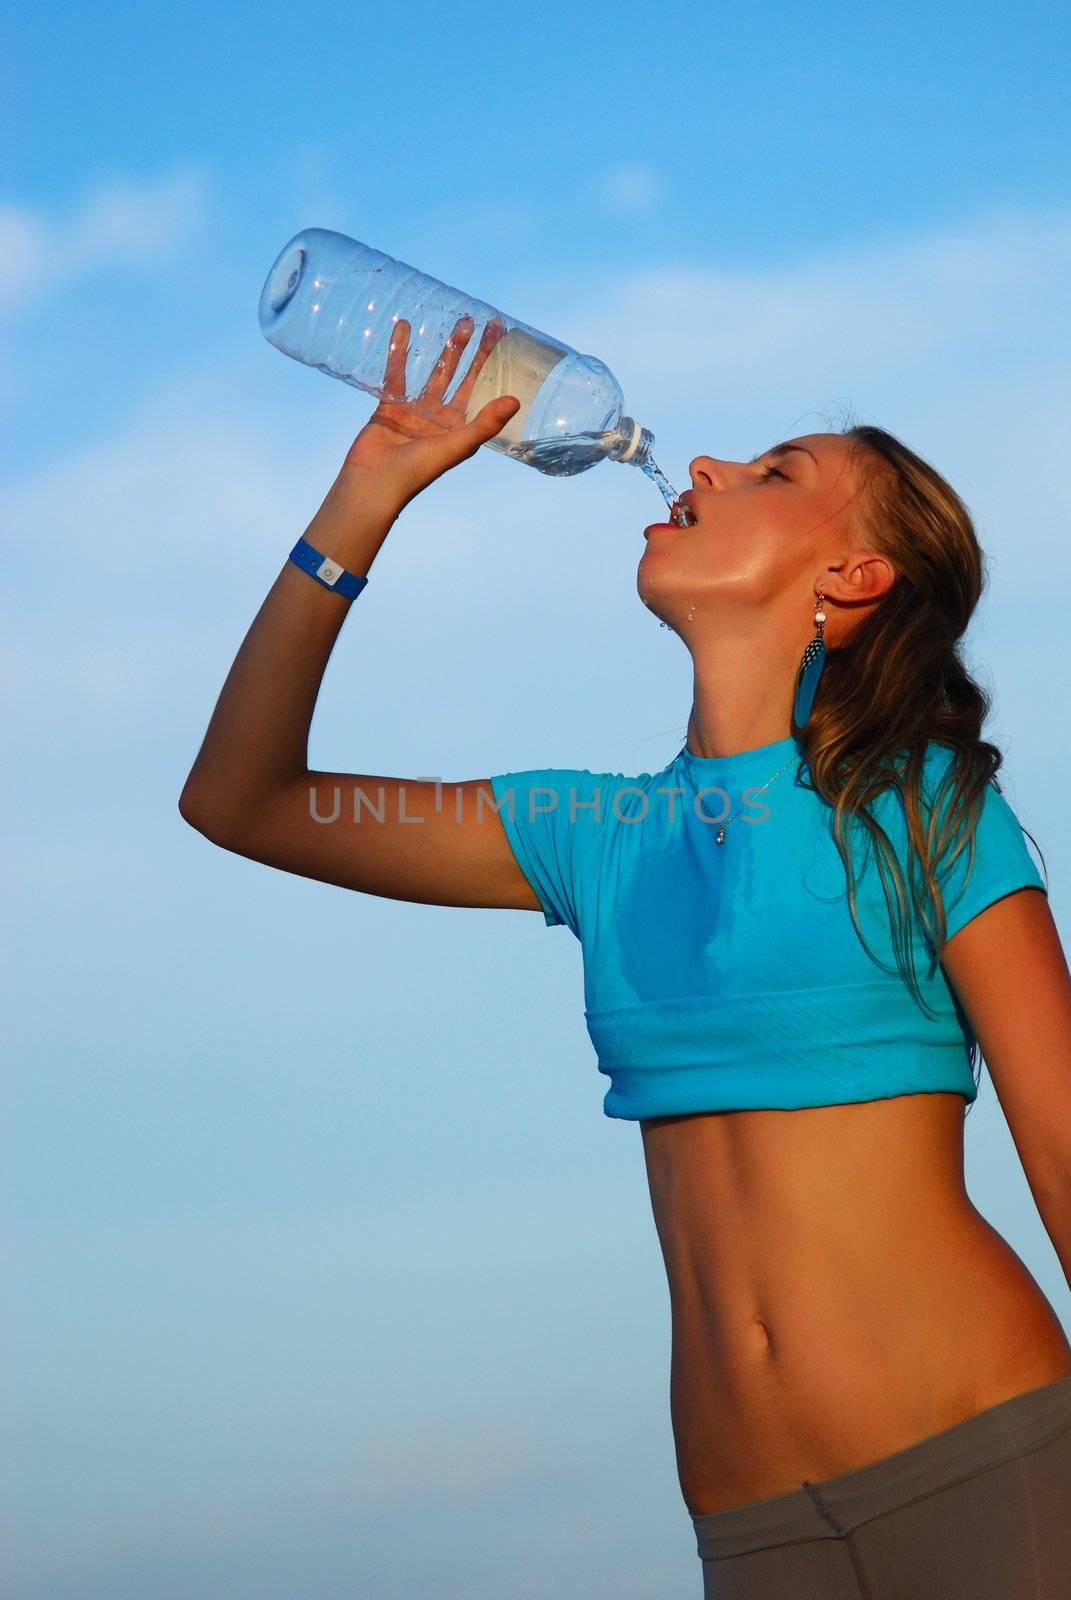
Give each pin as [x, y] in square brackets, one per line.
[719, 837]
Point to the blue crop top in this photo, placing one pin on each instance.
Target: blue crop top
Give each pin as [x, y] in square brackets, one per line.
[731, 977]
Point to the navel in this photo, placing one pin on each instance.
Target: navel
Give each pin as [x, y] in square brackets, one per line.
[762, 1335]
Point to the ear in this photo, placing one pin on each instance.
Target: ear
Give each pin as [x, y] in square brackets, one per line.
[863, 575]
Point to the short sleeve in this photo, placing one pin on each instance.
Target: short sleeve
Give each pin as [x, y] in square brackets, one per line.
[1001, 862]
[553, 818]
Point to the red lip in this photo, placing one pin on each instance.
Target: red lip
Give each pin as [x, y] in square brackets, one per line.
[685, 499]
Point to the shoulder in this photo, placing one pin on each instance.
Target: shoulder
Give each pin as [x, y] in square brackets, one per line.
[957, 828]
[558, 821]
[938, 763]
[984, 861]
[567, 783]
[579, 799]
[939, 787]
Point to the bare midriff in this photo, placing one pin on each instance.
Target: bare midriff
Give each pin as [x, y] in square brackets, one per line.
[835, 1295]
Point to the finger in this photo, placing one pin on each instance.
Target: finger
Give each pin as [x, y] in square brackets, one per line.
[397, 354]
[492, 333]
[492, 418]
[438, 455]
[444, 369]
[460, 443]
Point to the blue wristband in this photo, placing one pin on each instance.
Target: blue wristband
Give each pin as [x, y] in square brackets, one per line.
[326, 571]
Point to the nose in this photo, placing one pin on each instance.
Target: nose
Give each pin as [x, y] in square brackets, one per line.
[710, 473]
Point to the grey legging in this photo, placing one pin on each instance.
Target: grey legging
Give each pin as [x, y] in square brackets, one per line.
[980, 1511]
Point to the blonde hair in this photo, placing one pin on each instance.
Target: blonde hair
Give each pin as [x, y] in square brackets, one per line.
[900, 682]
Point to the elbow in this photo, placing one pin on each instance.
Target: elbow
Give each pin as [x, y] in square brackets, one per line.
[208, 819]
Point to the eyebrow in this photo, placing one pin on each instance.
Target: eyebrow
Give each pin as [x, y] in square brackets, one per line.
[783, 449]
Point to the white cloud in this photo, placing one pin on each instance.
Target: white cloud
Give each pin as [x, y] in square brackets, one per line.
[630, 188]
[989, 297]
[118, 221]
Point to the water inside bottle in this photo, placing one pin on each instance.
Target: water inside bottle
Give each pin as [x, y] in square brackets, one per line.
[564, 456]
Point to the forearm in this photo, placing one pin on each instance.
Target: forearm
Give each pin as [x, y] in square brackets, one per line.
[1054, 1208]
[257, 739]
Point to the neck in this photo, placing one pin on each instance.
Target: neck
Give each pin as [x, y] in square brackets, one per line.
[743, 686]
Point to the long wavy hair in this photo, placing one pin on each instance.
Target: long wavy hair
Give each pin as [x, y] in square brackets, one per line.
[899, 682]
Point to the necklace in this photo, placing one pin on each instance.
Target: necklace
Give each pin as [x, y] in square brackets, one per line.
[719, 837]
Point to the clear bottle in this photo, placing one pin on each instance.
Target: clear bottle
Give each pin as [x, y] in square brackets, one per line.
[332, 302]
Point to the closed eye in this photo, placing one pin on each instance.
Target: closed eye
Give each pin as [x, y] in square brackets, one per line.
[775, 472]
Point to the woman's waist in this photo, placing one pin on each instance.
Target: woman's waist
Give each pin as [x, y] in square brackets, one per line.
[865, 1263]
[949, 1312]
[798, 1369]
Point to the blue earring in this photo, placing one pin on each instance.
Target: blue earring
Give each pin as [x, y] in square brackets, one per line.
[814, 658]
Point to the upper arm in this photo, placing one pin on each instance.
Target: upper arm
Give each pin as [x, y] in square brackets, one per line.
[1009, 971]
[403, 838]
[1000, 864]
[1004, 959]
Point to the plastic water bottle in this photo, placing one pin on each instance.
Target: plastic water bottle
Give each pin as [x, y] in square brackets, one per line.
[332, 302]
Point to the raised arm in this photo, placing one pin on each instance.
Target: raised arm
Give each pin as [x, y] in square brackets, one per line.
[250, 790]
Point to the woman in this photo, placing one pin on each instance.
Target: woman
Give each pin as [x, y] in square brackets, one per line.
[796, 937]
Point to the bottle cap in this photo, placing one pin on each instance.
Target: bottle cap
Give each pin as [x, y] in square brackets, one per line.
[633, 433]
[637, 434]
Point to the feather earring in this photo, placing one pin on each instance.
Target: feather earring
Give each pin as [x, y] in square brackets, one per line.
[814, 658]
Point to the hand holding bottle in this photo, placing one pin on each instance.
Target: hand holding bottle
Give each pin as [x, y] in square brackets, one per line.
[406, 445]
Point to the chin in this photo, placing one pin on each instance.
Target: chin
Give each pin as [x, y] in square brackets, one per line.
[657, 605]
[659, 583]
[659, 571]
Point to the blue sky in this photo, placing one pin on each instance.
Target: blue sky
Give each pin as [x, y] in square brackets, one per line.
[362, 1296]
